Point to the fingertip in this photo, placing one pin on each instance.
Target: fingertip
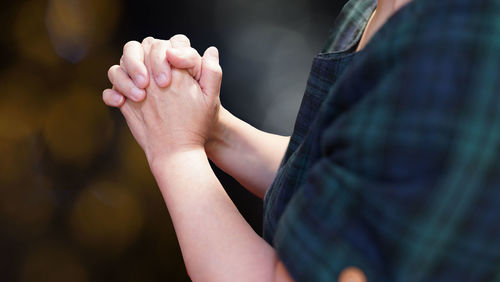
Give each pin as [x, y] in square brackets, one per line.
[212, 51]
[180, 40]
[137, 95]
[141, 81]
[162, 79]
[161, 72]
[112, 98]
[121, 101]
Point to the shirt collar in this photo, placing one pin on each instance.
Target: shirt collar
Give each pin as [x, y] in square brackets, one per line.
[349, 25]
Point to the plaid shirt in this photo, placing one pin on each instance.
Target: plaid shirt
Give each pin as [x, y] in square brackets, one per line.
[393, 166]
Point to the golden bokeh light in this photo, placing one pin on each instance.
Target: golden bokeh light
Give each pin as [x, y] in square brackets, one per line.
[93, 69]
[134, 165]
[106, 217]
[54, 263]
[78, 25]
[16, 161]
[18, 119]
[58, 142]
[30, 34]
[26, 208]
[21, 104]
[77, 127]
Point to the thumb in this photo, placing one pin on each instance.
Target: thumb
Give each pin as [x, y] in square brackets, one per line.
[211, 72]
[185, 58]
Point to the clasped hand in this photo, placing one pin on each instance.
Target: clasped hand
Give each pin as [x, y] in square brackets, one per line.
[168, 94]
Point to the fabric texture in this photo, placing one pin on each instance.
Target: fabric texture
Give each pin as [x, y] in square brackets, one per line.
[393, 166]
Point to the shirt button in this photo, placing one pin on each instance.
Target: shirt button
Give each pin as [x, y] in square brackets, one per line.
[352, 274]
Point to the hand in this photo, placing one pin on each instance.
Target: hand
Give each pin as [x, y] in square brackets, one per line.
[178, 117]
[162, 53]
[131, 77]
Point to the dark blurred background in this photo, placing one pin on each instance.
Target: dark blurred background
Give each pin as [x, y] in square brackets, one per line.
[77, 200]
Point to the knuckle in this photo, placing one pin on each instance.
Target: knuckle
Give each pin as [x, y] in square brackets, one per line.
[187, 54]
[180, 38]
[131, 65]
[148, 40]
[156, 44]
[157, 48]
[215, 69]
[164, 42]
[218, 71]
[193, 53]
[126, 59]
[129, 45]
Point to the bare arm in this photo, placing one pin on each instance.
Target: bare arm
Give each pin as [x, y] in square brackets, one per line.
[172, 126]
[250, 155]
[216, 242]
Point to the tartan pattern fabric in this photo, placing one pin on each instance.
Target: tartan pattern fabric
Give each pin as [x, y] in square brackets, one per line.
[394, 163]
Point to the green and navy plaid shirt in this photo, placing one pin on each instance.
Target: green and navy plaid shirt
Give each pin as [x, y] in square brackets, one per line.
[394, 163]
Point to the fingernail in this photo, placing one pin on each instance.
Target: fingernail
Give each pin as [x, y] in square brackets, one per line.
[137, 94]
[140, 80]
[117, 98]
[161, 79]
[213, 52]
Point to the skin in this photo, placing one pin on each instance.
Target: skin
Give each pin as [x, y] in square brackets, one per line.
[169, 96]
[249, 155]
[216, 242]
[384, 10]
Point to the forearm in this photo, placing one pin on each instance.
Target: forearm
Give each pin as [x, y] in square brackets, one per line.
[216, 242]
[250, 155]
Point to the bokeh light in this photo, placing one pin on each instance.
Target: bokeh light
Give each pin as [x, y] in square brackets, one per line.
[31, 35]
[21, 105]
[106, 217]
[134, 166]
[77, 199]
[16, 161]
[76, 26]
[77, 127]
[53, 262]
[26, 209]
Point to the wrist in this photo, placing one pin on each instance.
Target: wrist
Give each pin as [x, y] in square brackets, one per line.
[160, 161]
[220, 133]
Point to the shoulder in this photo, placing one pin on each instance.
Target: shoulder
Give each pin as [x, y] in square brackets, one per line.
[429, 25]
[441, 54]
[453, 39]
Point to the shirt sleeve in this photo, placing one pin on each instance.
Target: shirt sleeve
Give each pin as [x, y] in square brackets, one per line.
[406, 188]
